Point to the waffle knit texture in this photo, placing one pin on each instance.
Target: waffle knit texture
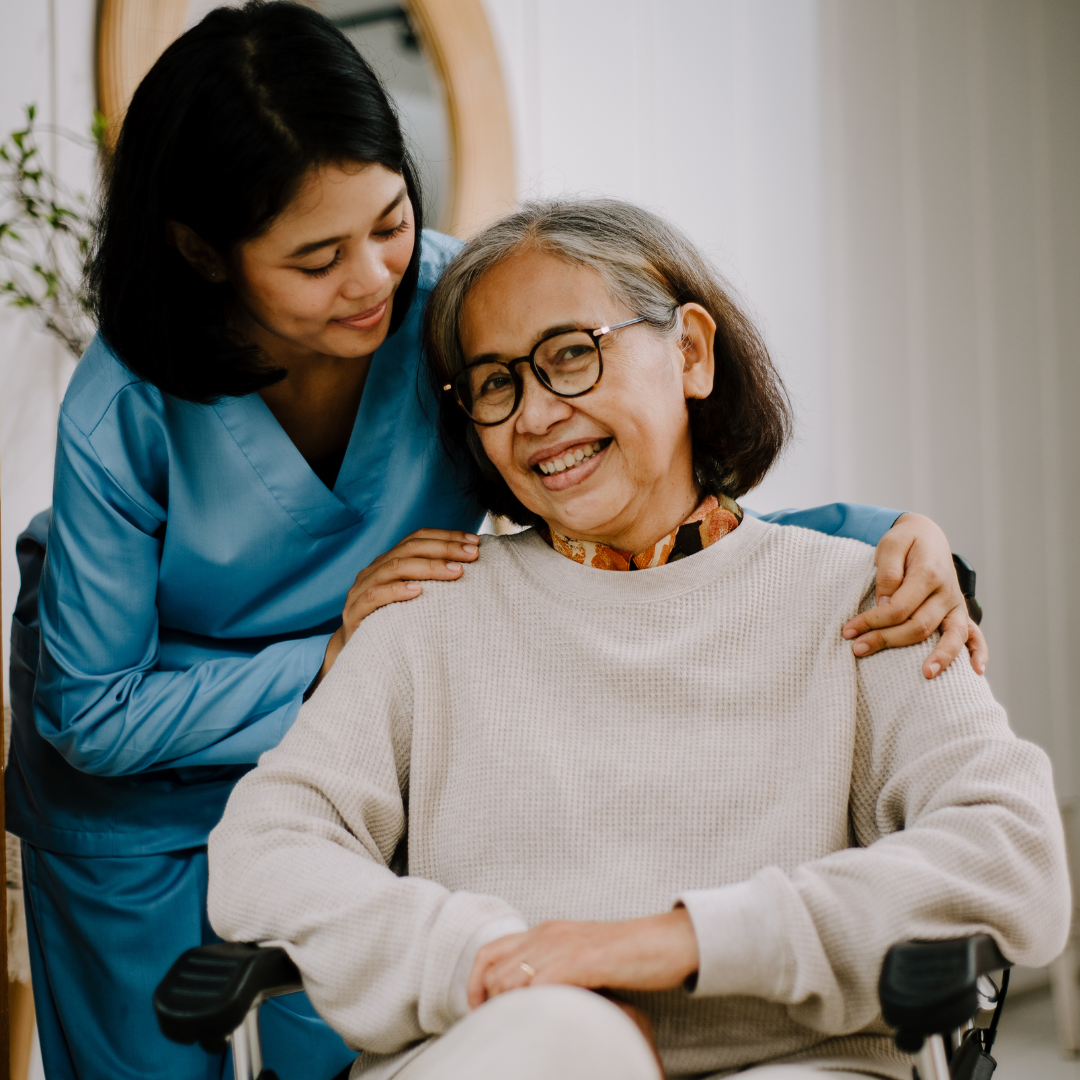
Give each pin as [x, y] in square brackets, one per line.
[558, 742]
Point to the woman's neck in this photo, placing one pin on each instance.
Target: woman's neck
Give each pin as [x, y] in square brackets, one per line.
[650, 525]
[316, 403]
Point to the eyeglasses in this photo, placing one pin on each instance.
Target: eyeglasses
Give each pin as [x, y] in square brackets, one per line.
[567, 362]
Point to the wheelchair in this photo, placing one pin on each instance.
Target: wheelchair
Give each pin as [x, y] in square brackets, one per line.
[937, 995]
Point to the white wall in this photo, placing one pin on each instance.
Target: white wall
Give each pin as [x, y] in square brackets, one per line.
[952, 153]
[710, 113]
[894, 188]
[47, 59]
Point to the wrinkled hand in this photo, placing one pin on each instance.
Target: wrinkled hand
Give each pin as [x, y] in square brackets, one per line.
[654, 953]
[426, 555]
[917, 593]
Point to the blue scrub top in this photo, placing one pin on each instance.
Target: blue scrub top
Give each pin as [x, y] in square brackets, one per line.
[195, 570]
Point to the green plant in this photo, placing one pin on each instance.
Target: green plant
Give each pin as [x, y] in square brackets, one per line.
[45, 237]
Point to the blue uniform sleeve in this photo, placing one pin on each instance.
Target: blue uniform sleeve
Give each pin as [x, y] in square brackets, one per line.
[866, 523]
[100, 700]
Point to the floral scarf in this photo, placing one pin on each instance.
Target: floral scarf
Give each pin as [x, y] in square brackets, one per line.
[714, 518]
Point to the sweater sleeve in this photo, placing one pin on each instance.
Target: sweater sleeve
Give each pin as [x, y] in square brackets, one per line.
[301, 857]
[100, 699]
[957, 833]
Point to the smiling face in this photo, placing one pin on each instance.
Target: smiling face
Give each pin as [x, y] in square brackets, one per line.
[322, 278]
[614, 465]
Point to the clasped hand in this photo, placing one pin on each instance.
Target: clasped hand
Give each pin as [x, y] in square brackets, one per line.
[655, 953]
[917, 593]
[425, 555]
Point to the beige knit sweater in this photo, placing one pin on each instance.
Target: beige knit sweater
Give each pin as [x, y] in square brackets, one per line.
[565, 742]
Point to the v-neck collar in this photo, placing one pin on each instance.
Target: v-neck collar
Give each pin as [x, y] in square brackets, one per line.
[359, 482]
[359, 485]
[283, 469]
[391, 421]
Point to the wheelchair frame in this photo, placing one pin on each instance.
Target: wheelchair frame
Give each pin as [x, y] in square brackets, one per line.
[930, 994]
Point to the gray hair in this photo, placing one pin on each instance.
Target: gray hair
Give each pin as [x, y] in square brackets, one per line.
[590, 233]
[653, 269]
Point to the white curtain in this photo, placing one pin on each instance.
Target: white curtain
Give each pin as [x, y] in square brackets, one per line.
[894, 187]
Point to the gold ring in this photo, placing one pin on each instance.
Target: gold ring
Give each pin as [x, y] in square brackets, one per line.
[528, 969]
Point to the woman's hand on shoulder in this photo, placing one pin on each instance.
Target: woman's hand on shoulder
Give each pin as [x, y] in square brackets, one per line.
[918, 593]
[426, 555]
[658, 952]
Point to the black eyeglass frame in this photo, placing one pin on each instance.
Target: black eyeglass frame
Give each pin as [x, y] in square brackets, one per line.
[541, 378]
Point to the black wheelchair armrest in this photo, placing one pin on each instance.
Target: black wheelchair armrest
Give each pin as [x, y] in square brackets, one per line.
[209, 990]
[931, 987]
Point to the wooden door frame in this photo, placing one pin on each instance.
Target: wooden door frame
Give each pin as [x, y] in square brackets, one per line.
[132, 34]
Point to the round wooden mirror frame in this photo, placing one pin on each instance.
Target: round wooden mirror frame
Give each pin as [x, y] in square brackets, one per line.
[132, 34]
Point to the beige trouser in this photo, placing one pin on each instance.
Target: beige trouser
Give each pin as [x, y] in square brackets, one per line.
[554, 1033]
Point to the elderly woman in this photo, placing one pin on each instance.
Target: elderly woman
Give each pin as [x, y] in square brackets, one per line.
[667, 808]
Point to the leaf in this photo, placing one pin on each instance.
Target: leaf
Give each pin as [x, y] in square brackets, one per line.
[99, 127]
[45, 242]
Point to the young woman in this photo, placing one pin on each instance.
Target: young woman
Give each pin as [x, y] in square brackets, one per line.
[246, 433]
[629, 751]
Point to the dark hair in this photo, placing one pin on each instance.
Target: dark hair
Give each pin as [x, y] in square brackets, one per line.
[737, 432]
[219, 136]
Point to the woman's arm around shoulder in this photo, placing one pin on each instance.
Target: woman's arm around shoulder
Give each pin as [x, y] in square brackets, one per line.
[918, 592]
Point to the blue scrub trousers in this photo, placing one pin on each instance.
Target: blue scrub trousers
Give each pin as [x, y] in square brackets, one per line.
[103, 932]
